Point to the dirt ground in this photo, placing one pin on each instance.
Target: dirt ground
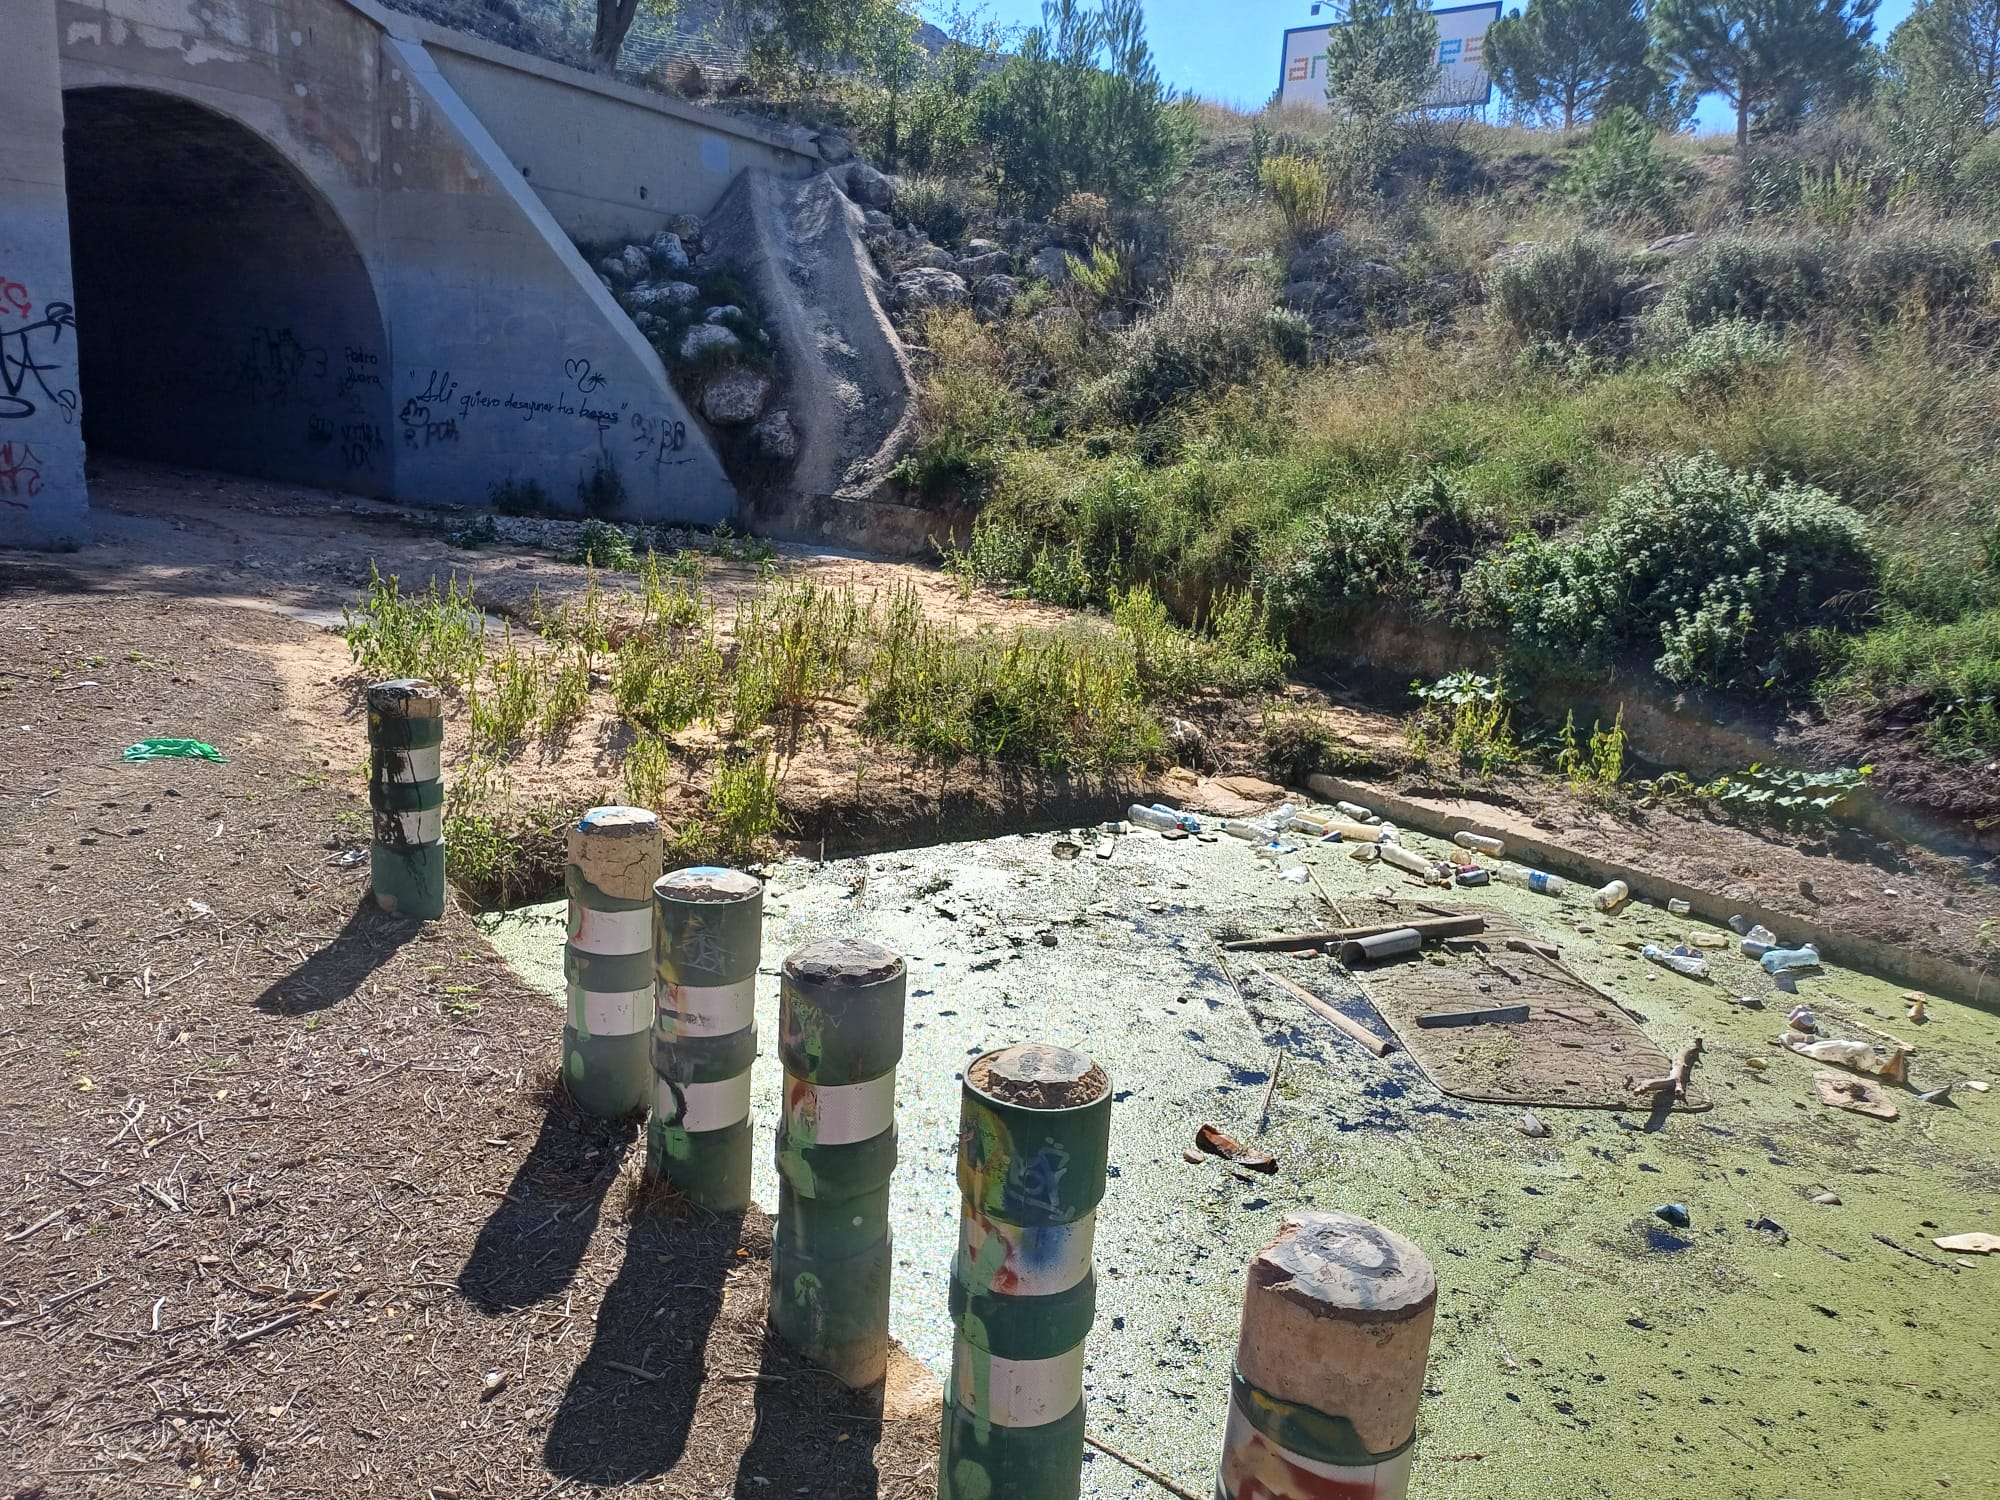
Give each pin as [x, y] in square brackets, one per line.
[281, 1159]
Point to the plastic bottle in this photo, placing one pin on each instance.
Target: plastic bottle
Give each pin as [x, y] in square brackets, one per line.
[1152, 817]
[1689, 964]
[1238, 828]
[1187, 820]
[1805, 957]
[1355, 811]
[1612, 896]
[1352, 833]
[1465, 838]
[1678, 907]
[1416, 864]
[1534, 880]
[1757, 941]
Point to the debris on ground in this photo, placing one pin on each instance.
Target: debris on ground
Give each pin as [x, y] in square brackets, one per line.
[1675, 1080]
[1675, 1214]
[1531, 1126]
[1215, 1143]
[1857, 1094]
[1977, 1243]
[171, 750]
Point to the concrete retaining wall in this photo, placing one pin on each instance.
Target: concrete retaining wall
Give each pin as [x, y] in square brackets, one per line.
[41, 431]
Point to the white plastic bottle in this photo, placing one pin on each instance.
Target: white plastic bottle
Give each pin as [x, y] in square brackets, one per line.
[1609, 898]
[1533, 880]
[1681, 963]
[1465, 838]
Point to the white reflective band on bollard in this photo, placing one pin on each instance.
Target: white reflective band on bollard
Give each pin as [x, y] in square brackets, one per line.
[1255, 1468]
[1017, 1392]
[419, 765]
[708, 1010]
[425, 827]
[840, 1115]
[1017, 1261]
[612, 933]
[610, 1012]
[702, 1107]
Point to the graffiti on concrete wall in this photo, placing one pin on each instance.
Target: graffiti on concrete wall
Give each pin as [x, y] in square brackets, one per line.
[277, 364]
[35, 358]
[20, 474]
[438, 404]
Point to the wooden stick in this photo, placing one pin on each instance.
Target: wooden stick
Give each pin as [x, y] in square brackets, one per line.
[1326, 1012]
[1676, 1081]
[1331, 904]
[1264, 1114]
[1138, 1468]
[1429, 927]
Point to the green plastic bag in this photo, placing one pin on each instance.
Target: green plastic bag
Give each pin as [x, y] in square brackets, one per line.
[171, 750]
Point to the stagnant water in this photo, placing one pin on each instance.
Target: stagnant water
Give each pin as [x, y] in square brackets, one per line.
[1583, 1347]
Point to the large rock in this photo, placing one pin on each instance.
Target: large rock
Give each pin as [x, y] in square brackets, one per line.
[731, 397]
[876, 222]
[688, 227]
[985, 263]
[722, 314]
[1674, 246]
[1319, 260]
[612, 269]
[993, 296]
[834, 147]
[635, 262]
[663, 296]
[668, 253]
[1051, 264]
[868, 187]
[775, 437]
[936, 257]
[704, 337]
[1374, 279]
[927, 287]
[1642, 298]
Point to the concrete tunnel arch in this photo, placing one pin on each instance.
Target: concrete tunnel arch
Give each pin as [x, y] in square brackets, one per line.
[225, 316]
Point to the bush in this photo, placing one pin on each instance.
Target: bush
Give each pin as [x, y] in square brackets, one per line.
[1384, 549]
[1952, 670]
[1619, 174]
[1758, 280]
[518, 497]
[1725, 572]
[1911, 268]
[1303, 191]
[1713, 361]
[1977, 179]
[1204, 335]
[1562, 291]
[599, 544]
[934, 205]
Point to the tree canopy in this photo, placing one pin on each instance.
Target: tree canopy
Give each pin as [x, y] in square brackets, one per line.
[1571, 60]
[1765, 56]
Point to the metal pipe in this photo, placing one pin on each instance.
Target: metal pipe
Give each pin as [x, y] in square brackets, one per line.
[1034, 1139]
[840, 1036]
[406, 792]
[614, 859]
[709, 934]
[1329, 1371]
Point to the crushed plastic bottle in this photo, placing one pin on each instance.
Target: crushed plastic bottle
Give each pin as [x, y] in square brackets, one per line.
[1533, 880]
[1355, 811]
[1295, 874]
[1778, 959]
[1690, 964]
[1802, 1019]
[1609, 898]
[1757, 941]
[1465, 838]
[1152, 817]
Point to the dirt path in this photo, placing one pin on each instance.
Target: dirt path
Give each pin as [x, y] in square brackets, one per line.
[296, 1208]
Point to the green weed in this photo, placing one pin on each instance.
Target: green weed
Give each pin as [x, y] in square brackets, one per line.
[438, 637]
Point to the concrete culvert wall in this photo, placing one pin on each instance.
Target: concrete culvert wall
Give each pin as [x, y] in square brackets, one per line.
[225, 317]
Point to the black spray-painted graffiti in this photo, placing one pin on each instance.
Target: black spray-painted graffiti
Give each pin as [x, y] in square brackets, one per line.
[588, 381]
[358, 439]
[425, 419]
[361, 369]
[559, 405]
[20, 474]
[657, 438]
[276, 362]
[31, 355]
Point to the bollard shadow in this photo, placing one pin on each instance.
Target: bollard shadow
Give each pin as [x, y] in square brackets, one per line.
[367, 940]
[529, 1249]
[812, 1435]
[631, 1402]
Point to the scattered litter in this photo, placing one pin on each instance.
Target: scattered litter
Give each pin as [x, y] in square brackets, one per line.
[1295, 875]
[1354, 810]
[1485, 844]
[1979, 1242]
[494, 1384]
[1827, 1200]
[1066, 849]
[1937, 1095]
[1700, 939]
[1430, 871]
[1493, 1015]
[1749, 1002]
[1779, 959]
[1473, 875]
[1366, 853]
[1538, 881]
[1215, 1143]
[1675, 1214]
[1319, 1007]
[1758, 941]
[1916, 1011]
[1977, 1086]
[1802, 1019]
[1192, 1157]
[1609, 898]
[1678, 907]
[171, 750]
[1381, 945]
[1692, 965]
[1531, 1126]
[1755, 1064]
[1105, 846]
[1771, 1227]
[1859, 1056]
[1857, 1094]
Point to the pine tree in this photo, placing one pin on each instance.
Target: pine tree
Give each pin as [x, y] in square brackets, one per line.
[1764, 55]
[1567, 60]
[1381, 64]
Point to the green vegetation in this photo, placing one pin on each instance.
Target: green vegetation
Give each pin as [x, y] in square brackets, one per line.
[439, 637]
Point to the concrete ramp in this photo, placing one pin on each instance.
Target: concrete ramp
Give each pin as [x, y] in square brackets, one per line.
[847, 379]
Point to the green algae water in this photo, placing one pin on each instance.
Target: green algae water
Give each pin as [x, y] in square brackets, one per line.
[1583, 1347]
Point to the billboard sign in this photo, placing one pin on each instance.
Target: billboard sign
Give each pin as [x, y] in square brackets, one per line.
[1462, 81]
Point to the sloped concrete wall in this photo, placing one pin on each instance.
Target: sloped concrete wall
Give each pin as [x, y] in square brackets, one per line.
[41, 433]
[611, 162]
[499, 355]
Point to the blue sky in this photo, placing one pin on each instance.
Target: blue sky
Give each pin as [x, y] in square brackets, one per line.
[1228, 49]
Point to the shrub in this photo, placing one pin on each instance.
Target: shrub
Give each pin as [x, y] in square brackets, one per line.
[1204, 335]
[1912, 268]
[1303, 191]
[1714, 360]
[599, 544]
[1758, 280]
[1467, 715]
[438, 637]
[601, 492]
[1951, 670]
[934, 205]
[1566, 290]
[1619, 174]
[1383, 549]
[1977, 179]
[1725, 572]
[518, 497]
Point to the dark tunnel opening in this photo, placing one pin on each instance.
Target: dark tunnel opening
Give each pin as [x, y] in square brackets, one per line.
[224, 318]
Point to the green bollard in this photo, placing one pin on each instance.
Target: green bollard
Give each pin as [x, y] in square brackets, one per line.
[406, 791]
[614, 859]
[1336, 1334]
[840, 1036]
[1034, 1138]
[709, 935]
